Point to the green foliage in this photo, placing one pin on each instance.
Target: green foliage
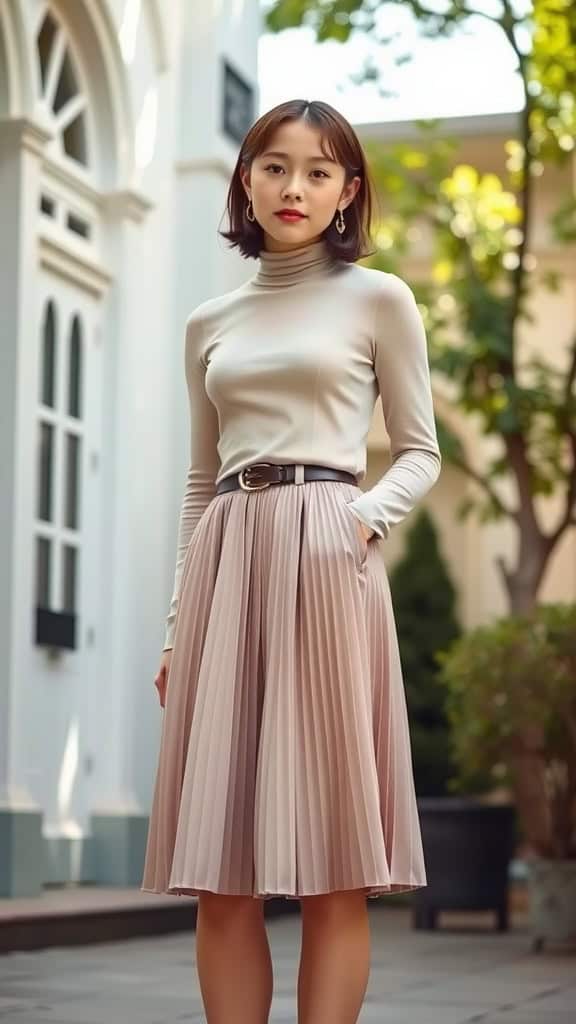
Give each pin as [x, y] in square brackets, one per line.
[551, 74]
[511, 703]
[484, 278]
[471, 294]
[424, 600]
[333, 20]
[485, 281]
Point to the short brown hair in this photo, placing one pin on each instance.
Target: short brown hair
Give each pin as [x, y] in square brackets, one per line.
[248, 236]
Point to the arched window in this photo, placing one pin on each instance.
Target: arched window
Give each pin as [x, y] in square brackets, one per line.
[60, 447]
[72, 444]
[48, 360]
[75, 369]
[63, 99]
[45, 489]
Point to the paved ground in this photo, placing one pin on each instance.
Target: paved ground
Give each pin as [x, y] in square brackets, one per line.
[462, 974]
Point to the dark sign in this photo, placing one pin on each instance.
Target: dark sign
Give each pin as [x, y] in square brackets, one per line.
[238, 104]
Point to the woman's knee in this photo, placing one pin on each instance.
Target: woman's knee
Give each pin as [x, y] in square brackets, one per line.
[332, 906]
[222, 907]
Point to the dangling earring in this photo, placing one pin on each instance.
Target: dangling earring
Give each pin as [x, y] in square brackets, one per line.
[250, 217]
[340, 225]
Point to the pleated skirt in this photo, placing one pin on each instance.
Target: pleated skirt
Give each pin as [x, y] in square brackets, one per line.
[284, 766]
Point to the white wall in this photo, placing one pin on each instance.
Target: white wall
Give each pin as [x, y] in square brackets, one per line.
[158, 199]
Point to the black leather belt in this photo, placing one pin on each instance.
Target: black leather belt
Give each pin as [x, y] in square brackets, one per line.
[262, 474]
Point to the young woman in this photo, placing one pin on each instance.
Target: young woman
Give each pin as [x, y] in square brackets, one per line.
[285, 763]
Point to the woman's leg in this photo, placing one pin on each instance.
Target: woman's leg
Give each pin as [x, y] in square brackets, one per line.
[335, 957]
[233, 959]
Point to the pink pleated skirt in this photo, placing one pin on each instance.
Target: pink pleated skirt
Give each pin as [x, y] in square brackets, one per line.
[285, 763]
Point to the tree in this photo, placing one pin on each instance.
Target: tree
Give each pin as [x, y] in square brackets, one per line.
[481, 226]
[424, 599]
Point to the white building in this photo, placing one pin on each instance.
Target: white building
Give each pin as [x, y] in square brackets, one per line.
[120, 122]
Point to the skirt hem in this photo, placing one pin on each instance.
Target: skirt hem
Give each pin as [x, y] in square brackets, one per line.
[373, 891]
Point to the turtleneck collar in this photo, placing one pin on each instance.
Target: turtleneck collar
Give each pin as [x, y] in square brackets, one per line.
[279, 269]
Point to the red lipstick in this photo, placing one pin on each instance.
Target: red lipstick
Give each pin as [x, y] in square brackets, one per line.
[290, 216]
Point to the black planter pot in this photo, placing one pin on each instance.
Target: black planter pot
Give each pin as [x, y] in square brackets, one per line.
[468, 846]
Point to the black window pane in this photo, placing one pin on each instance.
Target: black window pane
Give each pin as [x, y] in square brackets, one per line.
[75, 370]
[47, 205]
[45, 41]
[74, 139]
[78, 225]
[69, 579]
[48, 361]
[45, 471]
[43, 570]
[71, 481]
[67, 87]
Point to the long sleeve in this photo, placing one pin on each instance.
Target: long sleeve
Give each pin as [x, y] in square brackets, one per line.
[200, 485]
[402, 370]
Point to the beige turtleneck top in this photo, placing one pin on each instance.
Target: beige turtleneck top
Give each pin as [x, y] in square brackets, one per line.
[287, 368]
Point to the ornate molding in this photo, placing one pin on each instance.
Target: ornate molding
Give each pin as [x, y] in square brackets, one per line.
[215, 165]
[76, 182]
[24, 133]
[74, 266]
[127, 203]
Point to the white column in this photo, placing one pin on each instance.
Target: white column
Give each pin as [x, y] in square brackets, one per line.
[118, 820]
[21, 145]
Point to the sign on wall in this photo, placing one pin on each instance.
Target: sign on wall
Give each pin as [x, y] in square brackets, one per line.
[238, 104]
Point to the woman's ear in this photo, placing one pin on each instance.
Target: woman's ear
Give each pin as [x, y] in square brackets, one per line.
[351, 189]
[245, 179]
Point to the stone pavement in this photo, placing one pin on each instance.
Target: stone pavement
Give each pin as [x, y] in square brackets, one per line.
[463, 973]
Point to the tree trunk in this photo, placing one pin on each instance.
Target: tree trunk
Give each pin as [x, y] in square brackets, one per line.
[523, 582]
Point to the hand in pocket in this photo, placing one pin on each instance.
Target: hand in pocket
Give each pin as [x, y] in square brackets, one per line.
[161, 678]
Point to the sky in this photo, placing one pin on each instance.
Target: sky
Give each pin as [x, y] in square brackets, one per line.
[473, 73]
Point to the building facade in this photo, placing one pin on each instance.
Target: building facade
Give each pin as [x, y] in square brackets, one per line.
[119, 129]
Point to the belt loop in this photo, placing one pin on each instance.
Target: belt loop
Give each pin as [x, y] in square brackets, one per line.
[299, 474]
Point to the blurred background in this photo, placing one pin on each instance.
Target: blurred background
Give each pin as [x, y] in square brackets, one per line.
[120, 124]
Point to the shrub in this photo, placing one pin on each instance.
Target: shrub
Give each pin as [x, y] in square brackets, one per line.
[424, 599]
[511, 703]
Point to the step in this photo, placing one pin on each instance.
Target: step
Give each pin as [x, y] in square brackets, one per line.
[82, 914]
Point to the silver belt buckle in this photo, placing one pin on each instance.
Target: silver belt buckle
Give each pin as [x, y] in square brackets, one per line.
[253, 487]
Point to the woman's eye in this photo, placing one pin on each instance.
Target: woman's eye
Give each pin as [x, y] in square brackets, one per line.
[278, 166]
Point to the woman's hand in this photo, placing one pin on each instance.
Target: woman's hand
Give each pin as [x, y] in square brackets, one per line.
[161, 678]
[367, 533]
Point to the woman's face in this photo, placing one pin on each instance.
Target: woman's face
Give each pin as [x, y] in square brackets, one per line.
[301, 179]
